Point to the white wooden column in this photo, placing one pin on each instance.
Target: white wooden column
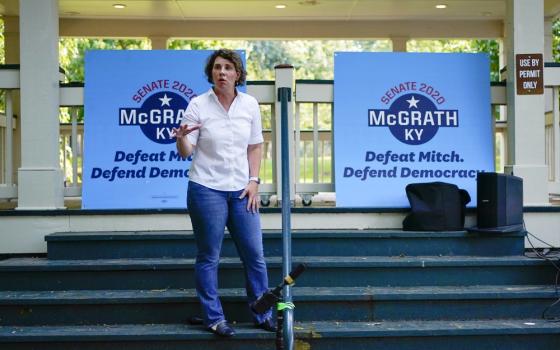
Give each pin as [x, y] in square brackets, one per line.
[526, 151]
[547, 55]
[11, 55]
[549, 105]
[159, 42]
[40, 177]
[399, 43]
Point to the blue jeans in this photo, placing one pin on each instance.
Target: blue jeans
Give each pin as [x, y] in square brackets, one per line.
[211, 211]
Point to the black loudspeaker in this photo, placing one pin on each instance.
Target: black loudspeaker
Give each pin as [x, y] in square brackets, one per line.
[499, 201]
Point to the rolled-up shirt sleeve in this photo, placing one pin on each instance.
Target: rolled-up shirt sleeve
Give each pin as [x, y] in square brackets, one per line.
[191, 117]
[256, 126]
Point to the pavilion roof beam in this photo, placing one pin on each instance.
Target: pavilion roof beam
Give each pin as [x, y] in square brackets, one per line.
[459, 29]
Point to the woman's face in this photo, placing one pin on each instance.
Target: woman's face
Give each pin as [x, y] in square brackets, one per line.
[224, 74]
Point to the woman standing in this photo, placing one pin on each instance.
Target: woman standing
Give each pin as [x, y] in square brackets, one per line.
[223, 129]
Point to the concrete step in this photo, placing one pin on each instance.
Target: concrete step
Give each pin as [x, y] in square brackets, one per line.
[519, 334]
[90, 307]
[33, 274]
[180, 244]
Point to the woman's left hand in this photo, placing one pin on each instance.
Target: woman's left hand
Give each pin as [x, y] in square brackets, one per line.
[252, 193]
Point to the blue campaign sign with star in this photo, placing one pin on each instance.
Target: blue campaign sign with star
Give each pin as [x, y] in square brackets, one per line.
[132, 102]
[413, 117]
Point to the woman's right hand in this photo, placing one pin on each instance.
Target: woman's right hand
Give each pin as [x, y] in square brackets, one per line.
[185, 129]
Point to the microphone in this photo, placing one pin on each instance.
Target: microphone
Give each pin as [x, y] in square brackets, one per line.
[268, 299]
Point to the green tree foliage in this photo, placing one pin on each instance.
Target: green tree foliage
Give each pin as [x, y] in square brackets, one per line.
[72, 52]
[2, 54]
[312, 59]
[491, 47]
[556, 40]
[178, 44]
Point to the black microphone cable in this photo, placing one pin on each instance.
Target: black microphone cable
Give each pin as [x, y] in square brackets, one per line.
[556, 279]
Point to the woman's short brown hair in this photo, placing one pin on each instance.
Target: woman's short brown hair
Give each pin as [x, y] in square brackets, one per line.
[229, 55]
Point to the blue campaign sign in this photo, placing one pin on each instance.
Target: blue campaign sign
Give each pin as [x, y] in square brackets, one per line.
[403, 118]
[133, 99]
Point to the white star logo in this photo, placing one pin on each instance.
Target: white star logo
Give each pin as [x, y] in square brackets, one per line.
[165, 100]
[412, 102]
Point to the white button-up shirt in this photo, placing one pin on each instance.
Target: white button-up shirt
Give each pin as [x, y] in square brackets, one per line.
[220, 157]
